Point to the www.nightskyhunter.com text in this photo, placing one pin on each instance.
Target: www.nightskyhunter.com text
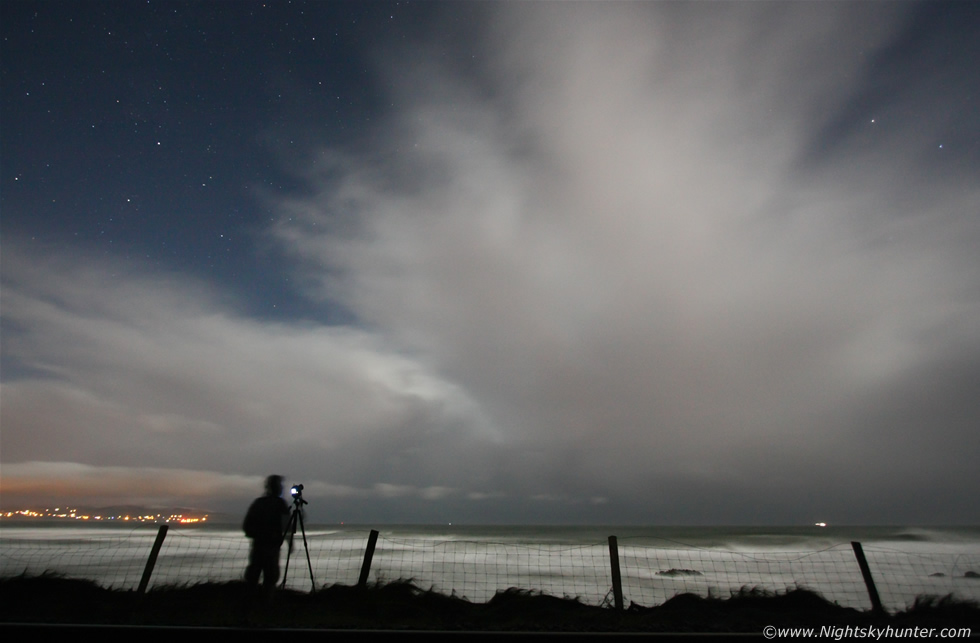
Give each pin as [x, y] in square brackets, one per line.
[838, 632]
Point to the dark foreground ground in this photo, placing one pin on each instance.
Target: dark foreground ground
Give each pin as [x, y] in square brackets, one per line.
[401, 605]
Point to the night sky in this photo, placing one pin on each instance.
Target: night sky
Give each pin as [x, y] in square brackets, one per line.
[481, 262]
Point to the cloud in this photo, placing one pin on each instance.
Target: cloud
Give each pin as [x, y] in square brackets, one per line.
[109, 367]
[616, 234]
[44, 481]
[629, 262]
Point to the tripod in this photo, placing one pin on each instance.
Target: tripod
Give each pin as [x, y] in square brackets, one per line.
[297, 517]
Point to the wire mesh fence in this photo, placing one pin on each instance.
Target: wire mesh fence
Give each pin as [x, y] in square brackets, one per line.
[477, 569]
[651, 576]
[899, 575]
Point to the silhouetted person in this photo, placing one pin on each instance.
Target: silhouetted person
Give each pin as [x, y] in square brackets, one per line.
[264, 524]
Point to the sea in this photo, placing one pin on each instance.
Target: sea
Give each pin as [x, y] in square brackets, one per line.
[475, 562]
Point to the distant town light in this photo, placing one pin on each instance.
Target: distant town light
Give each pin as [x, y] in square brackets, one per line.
[72, 514]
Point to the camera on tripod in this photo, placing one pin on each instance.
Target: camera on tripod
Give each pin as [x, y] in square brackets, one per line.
[296, 519]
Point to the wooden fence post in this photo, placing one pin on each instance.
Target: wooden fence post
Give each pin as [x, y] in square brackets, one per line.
[616, 578]
[152, 560]
[868, 580]
[368, 557]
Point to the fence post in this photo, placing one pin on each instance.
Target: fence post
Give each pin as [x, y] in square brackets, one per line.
[152, 560]
[616, 578]
[368, 556]
[868, 580]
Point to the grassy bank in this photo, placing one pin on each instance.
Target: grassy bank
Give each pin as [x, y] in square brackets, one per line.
[402, 605]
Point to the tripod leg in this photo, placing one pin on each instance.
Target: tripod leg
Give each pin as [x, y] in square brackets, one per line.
[302, 527]
[290, 528]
